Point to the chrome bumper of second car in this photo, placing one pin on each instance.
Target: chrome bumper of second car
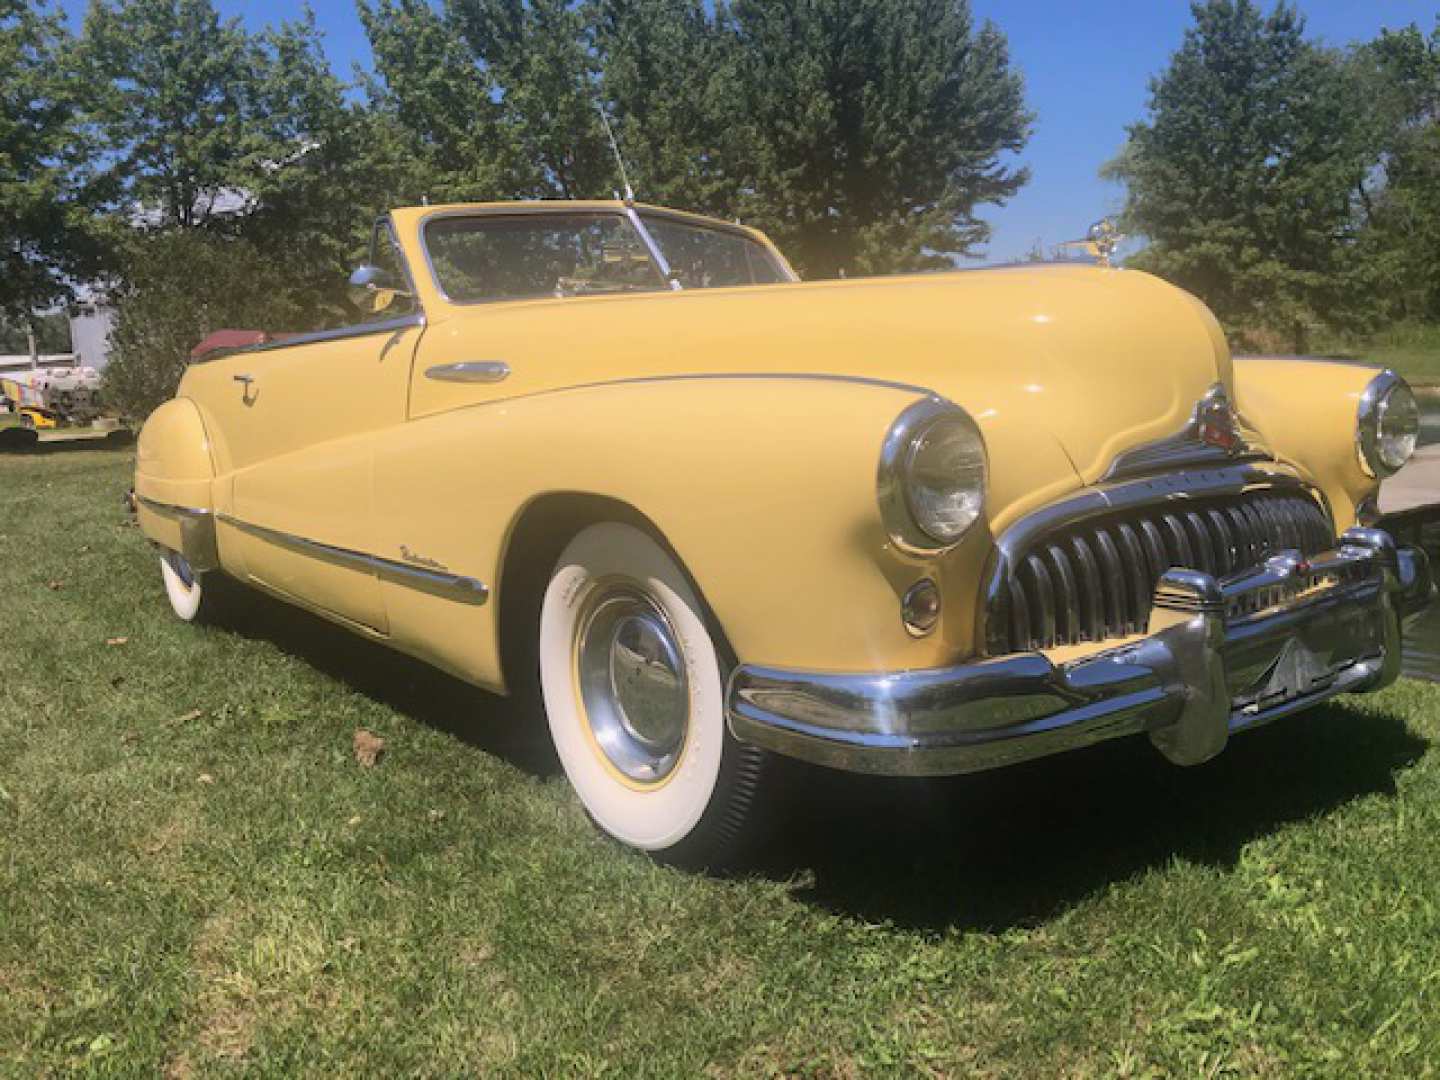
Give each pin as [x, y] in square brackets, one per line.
[1222, 655]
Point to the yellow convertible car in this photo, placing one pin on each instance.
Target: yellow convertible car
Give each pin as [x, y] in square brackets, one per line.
[915, 525]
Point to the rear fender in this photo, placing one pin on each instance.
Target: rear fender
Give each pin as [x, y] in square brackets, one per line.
[174, 483]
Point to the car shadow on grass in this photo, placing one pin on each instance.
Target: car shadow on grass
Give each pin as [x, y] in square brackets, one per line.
[486, 721]
[990, 851]
[1017, 846]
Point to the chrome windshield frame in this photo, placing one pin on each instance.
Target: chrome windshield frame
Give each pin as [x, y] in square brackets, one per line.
[740, 232]
[423, 230]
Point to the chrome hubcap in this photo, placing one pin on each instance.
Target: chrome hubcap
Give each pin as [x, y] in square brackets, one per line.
[632, 683]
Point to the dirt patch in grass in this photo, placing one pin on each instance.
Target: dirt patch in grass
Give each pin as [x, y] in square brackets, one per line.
[225, 1005]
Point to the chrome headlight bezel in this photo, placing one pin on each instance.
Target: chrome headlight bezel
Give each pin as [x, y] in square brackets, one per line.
[1378, 402]
[895, 479]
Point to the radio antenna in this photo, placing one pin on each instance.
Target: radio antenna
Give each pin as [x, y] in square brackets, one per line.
[615, 149]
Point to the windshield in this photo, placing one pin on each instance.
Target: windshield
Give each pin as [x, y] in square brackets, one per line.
[513, 257]
[707, 258]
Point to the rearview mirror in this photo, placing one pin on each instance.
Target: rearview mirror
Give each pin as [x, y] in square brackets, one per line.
[372, 289]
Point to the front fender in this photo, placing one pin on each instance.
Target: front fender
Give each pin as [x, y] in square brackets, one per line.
[1307, 410]
[765, 488]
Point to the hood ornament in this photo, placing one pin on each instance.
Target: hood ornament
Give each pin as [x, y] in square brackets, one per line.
[1103, 238]
[1100, 242]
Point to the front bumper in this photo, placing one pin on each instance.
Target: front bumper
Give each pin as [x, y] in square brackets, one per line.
[1222, 655]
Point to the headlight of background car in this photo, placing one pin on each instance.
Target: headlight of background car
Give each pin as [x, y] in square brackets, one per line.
[932, 476]
[1389, 425]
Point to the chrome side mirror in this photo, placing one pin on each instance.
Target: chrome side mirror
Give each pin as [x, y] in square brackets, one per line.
[372, 289]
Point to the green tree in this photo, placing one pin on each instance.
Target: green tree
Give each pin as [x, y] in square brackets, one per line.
[670, 81]
[863, 133]
[1399, 81]
[538, 55]
[331, 166]
[51, 330]
[1246, 176]
[175, 106]
[177, 287]
[870, 131]
[433, 102]
[244, 134]
[46, 236]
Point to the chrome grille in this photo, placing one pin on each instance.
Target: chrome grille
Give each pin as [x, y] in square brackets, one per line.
[1095, 579]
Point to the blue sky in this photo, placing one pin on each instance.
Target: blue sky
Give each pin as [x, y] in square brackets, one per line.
[1086, 67]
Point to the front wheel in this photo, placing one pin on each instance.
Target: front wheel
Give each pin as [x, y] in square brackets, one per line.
[634, 689]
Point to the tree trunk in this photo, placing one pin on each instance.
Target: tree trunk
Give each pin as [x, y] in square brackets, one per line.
[34, 344]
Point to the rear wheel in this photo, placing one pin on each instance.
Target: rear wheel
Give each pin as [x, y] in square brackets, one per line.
[634, 688]
[195, 597]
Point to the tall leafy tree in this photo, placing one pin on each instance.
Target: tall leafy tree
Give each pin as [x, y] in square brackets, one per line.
[1246, 175]
[537, 53]
[871, 131]
[47, 235]
[1399, 82]
[864, 134]
[670, 80]
[329, 166]
[175, 105]
[437, 104]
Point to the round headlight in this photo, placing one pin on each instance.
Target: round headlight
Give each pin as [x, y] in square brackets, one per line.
[1388, 424]
[932, 476]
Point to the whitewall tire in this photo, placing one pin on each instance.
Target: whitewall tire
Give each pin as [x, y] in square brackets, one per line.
[182, 586]
[634, 688]
[198, 597]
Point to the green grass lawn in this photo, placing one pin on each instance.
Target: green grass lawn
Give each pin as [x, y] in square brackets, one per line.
[1412, 349]
[197, 877]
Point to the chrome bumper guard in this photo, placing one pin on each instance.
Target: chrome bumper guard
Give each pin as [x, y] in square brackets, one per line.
[1222, 655]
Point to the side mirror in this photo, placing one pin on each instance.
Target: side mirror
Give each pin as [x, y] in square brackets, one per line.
[372, 289]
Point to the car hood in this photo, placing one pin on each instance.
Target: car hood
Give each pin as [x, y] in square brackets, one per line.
[1100, 360]
[1073, 362]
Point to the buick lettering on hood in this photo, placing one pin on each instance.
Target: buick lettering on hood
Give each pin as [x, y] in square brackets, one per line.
[620, 462]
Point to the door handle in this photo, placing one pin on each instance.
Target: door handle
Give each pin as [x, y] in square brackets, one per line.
[244, 380]
[470, 371]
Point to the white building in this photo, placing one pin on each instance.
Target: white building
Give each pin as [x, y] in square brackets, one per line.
[90, 326]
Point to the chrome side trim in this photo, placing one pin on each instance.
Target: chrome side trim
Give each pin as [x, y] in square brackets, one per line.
[465, 590]
[171, 509]
[1103, 498]
[1222, 659]
[197, 531]
[859, 380]
[389, 326]
[470, 371]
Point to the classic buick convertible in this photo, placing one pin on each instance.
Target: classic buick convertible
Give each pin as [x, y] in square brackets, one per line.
[913, 525]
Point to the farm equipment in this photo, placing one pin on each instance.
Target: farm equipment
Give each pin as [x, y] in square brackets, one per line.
[50, 398]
